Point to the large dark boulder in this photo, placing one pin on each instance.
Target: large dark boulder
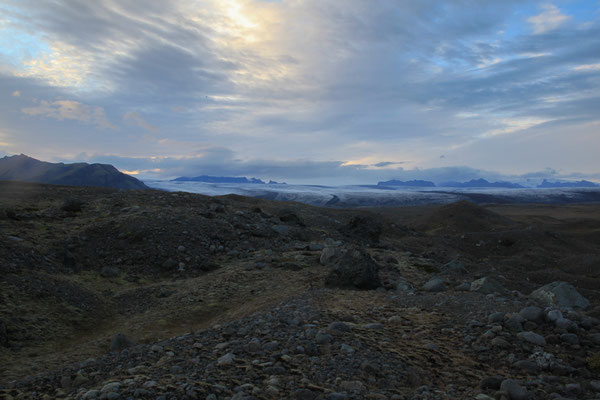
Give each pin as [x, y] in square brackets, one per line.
[365, 230]
[354, 270]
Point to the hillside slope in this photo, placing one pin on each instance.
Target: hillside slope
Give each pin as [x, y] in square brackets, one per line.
[26, 169]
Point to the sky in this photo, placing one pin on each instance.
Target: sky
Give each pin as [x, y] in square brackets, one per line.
[305, 91]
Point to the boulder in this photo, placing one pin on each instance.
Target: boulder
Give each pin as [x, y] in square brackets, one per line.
[329, 255]
[532, 313]
[532, 337]
[560, 294]
[355, 269]
[435, 284]
[514, 390]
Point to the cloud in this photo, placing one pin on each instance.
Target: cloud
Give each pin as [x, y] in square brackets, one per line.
[16, 93]
[587, 67]
[354, 82]
[137, 119]
[548, 20]
[70, 110]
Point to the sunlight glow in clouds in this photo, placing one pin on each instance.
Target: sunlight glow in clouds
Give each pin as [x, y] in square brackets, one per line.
[318, 85]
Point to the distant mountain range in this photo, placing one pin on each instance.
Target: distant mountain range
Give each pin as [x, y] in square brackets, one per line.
[473, 183]
[482, 183]
[414, 183]
[26, 169]
[576, 184]
[220, 179]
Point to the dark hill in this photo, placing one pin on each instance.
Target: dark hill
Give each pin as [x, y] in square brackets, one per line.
[27, 169]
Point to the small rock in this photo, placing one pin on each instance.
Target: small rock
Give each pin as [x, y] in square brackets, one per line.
[500, 343]
[352, 386]
[337, 327]
[435, 284]
[491, 382]
[487, 286]
[304, 394]
[527, 366]
[323, 338]
[91, 394]
[496, 317]
[514, 389]
[532, 337]
[573, 388]
[569, 338]
[227, 359]
[532, 313]
[374, 326]
[344, 348]
[111, 387]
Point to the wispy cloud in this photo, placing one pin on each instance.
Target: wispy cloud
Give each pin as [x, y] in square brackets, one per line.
[549, 19]
[137, 119]
[70, 110]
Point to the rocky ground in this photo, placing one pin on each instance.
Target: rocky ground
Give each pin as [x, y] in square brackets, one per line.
[108, 294]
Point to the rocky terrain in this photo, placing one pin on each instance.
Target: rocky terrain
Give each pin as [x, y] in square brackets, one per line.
[108, 294]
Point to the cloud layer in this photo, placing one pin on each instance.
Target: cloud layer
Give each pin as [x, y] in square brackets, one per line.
[351, 86]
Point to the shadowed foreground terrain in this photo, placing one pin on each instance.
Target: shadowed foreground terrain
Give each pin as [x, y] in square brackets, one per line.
[233, 297]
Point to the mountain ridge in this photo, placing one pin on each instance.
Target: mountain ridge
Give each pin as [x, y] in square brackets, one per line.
[27, 169]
